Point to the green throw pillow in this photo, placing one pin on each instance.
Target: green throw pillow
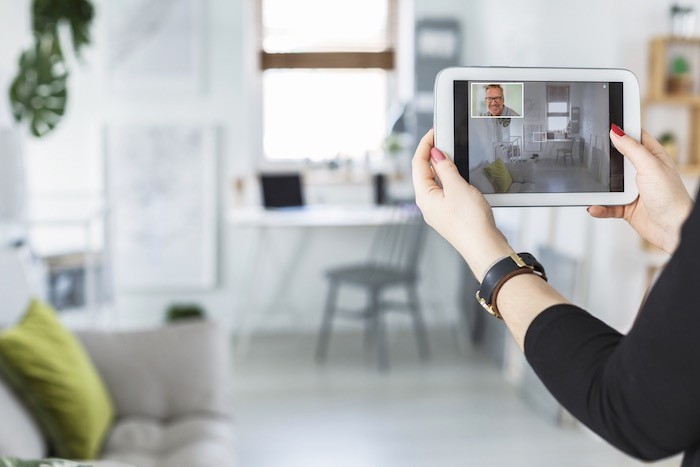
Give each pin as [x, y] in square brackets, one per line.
[499, 175]
[52, 373]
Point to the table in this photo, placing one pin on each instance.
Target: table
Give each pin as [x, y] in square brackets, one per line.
[309, 218]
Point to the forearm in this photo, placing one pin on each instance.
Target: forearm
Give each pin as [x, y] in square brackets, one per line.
[521, 298]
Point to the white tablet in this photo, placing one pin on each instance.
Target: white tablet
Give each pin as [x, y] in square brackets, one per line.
[539, 136]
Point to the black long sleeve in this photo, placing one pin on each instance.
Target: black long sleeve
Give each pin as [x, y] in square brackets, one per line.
[640, 392]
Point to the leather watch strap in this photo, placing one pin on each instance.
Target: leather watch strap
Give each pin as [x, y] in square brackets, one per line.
[500, 272]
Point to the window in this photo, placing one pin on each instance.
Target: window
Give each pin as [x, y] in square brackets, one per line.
[325, 69]
[558, 107]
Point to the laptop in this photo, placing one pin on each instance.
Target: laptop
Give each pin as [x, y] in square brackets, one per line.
[281, 190]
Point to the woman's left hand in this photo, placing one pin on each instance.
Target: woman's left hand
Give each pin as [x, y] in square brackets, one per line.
[457, 210]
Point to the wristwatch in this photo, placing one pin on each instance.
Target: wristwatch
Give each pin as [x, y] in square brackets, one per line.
[500, 272]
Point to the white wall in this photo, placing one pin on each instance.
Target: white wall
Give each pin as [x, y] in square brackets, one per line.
[597, 33]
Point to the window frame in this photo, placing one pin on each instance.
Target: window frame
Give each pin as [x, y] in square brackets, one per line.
[387, 60]
[383, 59]
[567, 113]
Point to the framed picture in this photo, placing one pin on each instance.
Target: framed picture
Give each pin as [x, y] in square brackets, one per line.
[161, 192]
[154, 44]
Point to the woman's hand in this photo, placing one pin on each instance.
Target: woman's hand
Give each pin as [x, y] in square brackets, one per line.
[663, 203]
[457, 210]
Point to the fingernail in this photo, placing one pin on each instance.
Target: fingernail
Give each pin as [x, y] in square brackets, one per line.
[617, 130]
[436, 155]
[588, 209]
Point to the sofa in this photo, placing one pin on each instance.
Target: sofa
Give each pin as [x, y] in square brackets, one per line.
[170, 388]
[521, 174]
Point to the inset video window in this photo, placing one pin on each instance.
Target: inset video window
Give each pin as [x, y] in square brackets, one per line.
[497, 100]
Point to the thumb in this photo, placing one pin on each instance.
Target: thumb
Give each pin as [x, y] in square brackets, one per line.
[632, 149]
[445, 169]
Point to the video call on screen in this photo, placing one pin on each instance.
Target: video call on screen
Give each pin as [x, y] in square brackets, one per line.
[538, 137]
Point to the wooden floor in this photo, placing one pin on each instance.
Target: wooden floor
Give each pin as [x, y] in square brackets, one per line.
[455, 411]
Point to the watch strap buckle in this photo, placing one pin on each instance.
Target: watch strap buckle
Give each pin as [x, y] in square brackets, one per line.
[487, 307]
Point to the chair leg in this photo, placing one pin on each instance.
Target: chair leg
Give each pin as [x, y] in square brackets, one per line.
[327, 322]
[418, 323]
[377, 329]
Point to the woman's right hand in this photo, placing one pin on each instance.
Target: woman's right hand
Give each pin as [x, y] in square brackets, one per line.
[663, 203]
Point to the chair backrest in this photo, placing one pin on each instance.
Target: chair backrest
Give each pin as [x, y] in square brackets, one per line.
[399, 244]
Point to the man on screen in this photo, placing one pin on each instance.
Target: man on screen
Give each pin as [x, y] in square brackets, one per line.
[495, 103]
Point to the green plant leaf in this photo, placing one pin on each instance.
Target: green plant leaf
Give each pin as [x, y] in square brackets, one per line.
[680, 65]
[39, 93]
[48, 14]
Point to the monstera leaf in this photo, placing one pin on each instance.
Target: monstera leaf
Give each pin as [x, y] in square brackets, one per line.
[39, 93]
[47, 14]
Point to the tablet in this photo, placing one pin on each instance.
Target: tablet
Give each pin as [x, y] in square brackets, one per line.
[539, 136]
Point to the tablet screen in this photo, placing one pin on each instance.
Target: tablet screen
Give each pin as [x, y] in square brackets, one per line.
[537, 136]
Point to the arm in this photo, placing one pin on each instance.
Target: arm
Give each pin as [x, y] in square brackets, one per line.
[641, 391]
[461, 214]
[613, 384]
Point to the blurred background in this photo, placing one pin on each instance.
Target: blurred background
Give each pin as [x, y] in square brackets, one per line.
[248, 161]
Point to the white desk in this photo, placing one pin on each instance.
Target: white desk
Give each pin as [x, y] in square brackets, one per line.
[315, 216]
[309, 218]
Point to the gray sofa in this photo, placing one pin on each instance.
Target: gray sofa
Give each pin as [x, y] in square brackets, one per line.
[171, 393]
[522, 172]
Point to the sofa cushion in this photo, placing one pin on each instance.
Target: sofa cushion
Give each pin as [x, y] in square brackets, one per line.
[526, 187]
[196, 441]
[522, 172]
[499, 175]
[50, 370]
[164, 373]
[478, 178]
[19, 434]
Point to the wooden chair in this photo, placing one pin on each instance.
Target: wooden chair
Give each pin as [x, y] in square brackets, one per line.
[566, 153]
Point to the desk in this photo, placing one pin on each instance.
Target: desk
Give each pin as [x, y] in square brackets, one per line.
[315, 216]
[309, 218]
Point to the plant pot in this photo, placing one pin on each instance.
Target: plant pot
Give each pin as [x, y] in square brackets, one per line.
[679, 84]
[672, 150]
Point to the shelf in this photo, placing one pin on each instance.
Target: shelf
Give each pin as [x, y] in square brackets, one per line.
[689, 170]
[686, 90]
[687, 100]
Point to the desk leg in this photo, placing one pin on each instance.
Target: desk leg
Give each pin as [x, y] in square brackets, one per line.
[287, 276]
[252, 316]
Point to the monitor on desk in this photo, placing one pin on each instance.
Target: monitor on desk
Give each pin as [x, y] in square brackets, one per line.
[281, 190]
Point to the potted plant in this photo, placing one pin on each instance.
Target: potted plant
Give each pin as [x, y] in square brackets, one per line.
[668, 141]
[680, 80]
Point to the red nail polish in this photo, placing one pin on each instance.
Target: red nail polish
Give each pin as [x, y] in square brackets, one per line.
[617, 130]
[436, 155]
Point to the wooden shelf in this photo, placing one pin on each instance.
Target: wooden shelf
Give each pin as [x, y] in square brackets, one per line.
[689, 170]
[685, 100]
[658, 92]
